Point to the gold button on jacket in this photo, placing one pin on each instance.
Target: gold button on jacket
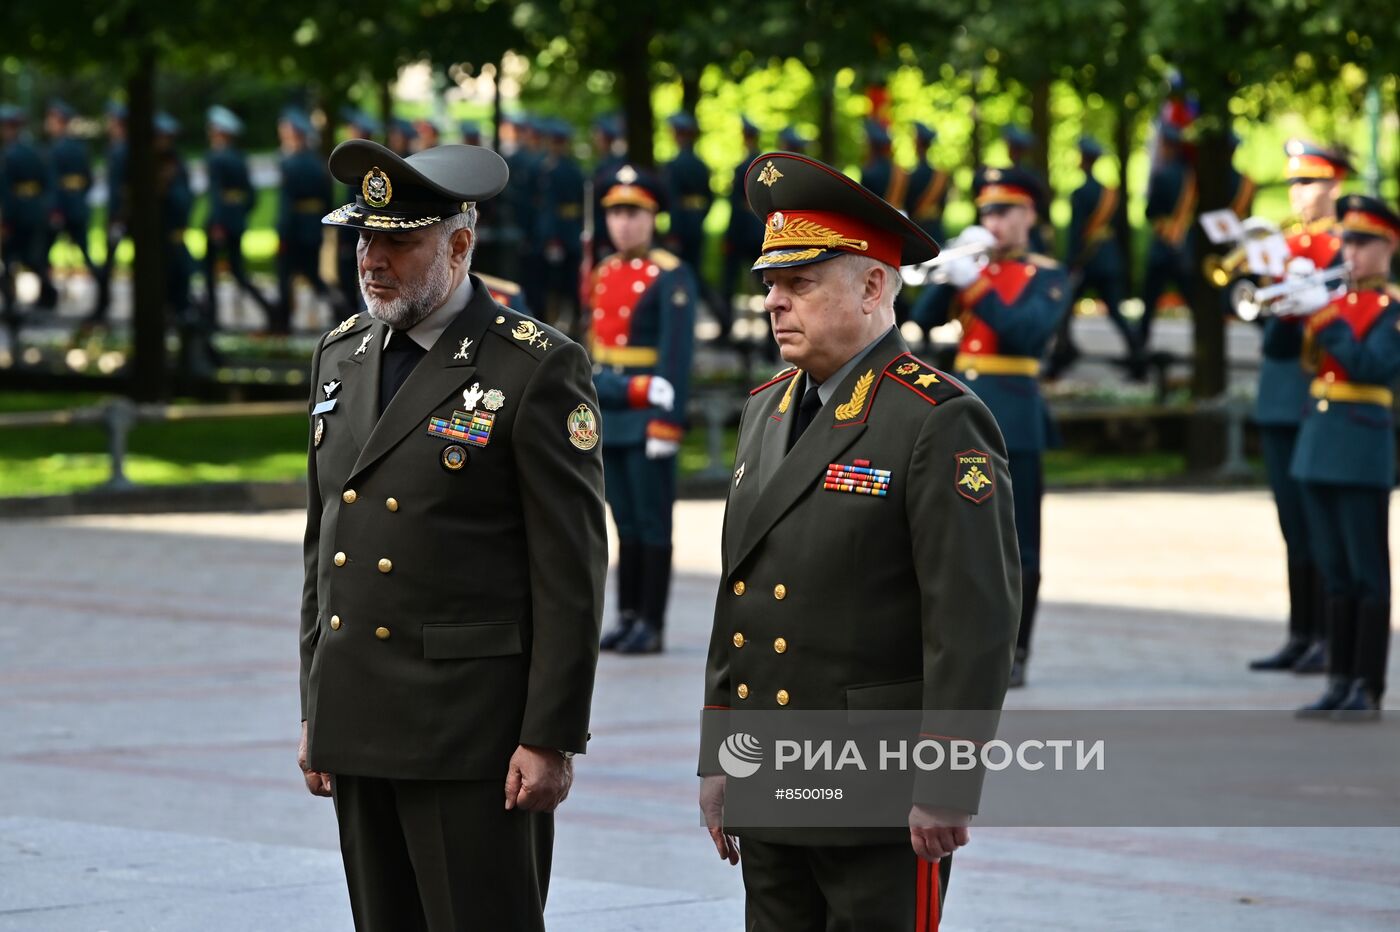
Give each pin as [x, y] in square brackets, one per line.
[382, 633]
[738, 639]
[385, 565]
[783, 697]
[739, 587]
[392, 504]
[780, 645]
[335, 622]
[349, 497]
[780, 592]
[340, 558]
[742, 690]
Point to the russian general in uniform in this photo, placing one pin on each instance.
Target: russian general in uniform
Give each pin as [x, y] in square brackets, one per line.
[455, 558]
[869, 550]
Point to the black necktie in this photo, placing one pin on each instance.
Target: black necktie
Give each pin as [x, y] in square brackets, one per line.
[399, 358]
[806, 411]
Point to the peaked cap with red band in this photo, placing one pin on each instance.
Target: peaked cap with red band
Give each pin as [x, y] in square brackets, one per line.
[997, 187]
[1360, 216]
[1310, 162]
[812, 213]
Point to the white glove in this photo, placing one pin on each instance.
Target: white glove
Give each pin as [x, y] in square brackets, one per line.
[1299, 266]
[963, 272]
[660, 449]
[1308, 301]
[661, 394]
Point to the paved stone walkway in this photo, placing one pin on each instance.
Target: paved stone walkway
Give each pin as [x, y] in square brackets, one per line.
[148, 719]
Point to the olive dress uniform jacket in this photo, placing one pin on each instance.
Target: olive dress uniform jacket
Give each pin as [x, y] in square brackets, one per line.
[832, 599]
[450, 615]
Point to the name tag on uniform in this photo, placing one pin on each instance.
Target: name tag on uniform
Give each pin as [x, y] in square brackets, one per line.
[858, 478]
[325, 407]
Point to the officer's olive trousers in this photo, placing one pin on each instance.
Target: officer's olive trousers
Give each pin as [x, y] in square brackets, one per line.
[840, 888]
[441, 856]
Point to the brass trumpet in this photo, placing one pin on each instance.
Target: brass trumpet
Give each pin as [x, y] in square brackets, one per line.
[1298, 296]
[974, 242]
[1221, 270]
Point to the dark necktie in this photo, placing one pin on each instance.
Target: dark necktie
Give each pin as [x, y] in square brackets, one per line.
[806, 411]
[399, 358]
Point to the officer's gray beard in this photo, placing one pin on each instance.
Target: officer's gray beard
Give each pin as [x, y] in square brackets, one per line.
[416, 299]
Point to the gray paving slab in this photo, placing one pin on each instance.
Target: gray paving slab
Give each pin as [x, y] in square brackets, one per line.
[148, 718]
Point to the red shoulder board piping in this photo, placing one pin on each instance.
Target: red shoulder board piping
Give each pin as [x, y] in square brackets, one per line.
[785, 374]
[932, 385]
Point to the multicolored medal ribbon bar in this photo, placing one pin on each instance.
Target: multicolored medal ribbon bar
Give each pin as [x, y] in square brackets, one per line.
[859, 478]
[472, 427]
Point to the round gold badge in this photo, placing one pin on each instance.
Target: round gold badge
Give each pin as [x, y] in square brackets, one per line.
[583, 428]
[454, 457]
[376, 188]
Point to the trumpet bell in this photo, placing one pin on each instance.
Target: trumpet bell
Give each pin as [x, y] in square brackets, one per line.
[1243, 302]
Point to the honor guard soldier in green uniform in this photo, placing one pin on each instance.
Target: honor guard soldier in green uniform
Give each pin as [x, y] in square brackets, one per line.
[926, 192]
[1315, 177]
[1010, 307]
[560, 230]
[1171, 210]
[743, 237]
[231, 200]
[358, 125]
[643, 341]
[176, 201]
[72, 170]
[305, 198]
[117, 219]
[1019, 145]
[869, 550]
[25, 202]
[455, 561]
[1094, 261]
[880, 174]
[1345, 457]
[690, 197]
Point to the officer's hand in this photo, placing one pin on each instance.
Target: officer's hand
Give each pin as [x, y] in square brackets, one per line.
[661, 393]
[937, 833]
[963, 272]
[712, 808]
[317, 782]
[538, 779]
[658, 449]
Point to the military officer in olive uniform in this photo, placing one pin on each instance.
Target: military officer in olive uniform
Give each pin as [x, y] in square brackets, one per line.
[1345, 458]
[72, 170]
[305, 197]
[231, 200]
[455, 559]
[643, 343]
[1315, 177]
[1010, 308]
[868, 552]
[25, 202]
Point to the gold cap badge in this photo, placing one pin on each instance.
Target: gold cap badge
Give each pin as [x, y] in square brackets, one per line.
[770, 174]
[376, 188]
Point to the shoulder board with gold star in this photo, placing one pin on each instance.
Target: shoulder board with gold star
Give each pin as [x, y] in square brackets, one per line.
[499, 285]
[1041, 261]
[530, 335]
[666, 260]
[785, 374]
[932, 385]
[344, 327]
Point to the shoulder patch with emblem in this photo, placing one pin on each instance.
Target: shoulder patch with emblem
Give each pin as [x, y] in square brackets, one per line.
[974, 476]
[667, 260]
[530, 335]
[932, 385]
[785, 374]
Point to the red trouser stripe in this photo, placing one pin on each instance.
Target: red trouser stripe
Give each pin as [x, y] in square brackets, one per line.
[921, 894]
[934, 912]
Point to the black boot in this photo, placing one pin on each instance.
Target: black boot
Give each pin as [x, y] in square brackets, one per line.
[628, 593]
[646, 635]
[1363, 703]
[1314, 660]
[1030, 599]
[1337, 689]
[1360, 705]
[1300, 607]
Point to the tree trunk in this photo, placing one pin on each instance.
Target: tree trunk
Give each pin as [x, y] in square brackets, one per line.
[386, 107]
[690, 91]
[1205, 441]
[496, 107]
[1123, 149]
[634, 81]
[826, 115]
[974, 149]
[148, 360]
[1040, 127]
